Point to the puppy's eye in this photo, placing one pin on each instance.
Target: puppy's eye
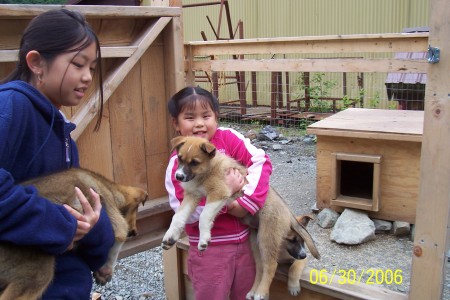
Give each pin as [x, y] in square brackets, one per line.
[194, 163]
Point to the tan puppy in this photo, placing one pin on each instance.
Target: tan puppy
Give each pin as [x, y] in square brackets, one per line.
[292, 253]
[201, 170]
[25, 272]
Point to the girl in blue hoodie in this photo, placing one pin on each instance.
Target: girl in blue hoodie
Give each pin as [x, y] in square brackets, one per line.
[58, 58]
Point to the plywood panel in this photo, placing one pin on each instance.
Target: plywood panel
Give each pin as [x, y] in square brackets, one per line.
[127, 132]
[157, 168]
[154, 100]
[95, 147]
[372, 123]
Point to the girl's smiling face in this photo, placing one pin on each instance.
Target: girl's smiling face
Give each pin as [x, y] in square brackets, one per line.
[198, 120]
[65, 80]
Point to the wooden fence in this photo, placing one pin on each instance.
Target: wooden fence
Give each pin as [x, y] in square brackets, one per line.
[432, 236]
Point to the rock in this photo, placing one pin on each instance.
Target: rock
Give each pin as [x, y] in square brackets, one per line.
[309, 139]
[401, 228]
[382, 226]
[268, 133]
[276, 147]
[353, 227]
[251, 135]
[327, 218]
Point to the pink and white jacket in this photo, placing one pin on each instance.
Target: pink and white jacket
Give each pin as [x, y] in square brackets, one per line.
[227, 229]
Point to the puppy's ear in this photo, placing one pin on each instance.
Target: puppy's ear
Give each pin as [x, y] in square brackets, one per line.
[208, 148]
[177, 142]
[304, 219]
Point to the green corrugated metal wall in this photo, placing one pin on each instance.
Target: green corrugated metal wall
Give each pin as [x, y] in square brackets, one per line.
[269, 18]
[291, 18]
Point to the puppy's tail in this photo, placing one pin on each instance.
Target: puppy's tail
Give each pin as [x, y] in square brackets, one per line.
[301, 230]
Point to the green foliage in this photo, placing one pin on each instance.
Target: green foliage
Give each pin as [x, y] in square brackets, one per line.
[375, 102]
[318, 89]
[347, 101]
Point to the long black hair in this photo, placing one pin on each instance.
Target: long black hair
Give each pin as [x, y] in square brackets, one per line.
[52, 33]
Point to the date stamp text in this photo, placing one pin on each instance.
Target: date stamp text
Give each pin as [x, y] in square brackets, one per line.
[351, 276]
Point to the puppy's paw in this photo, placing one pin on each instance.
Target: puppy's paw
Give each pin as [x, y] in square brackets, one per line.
[202, 245]
[260, 297]
[250, 295]
[103, 275]
[294, 290]
[167, 244]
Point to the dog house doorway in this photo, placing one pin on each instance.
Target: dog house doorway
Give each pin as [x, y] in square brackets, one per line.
[355, 180]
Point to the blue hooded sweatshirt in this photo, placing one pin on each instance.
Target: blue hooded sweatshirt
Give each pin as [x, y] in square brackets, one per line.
[34, 141]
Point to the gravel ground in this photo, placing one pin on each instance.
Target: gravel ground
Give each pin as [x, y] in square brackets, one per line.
[294, 176]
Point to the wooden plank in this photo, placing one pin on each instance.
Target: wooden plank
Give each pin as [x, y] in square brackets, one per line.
[359, 157]
[104, 11]
[127, 131]
[329, 287]
[95, 147]
[381, 124]
[173, 277]
[107, 52]
[174, 63]
[432, 235]
[86, 113]
[155, 101]
[314, 65]
[396, 42]
[155, 112]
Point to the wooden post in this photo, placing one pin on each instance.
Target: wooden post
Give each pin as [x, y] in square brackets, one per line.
[173, 277]
[254, 91]
[307, 96]
[433, 207]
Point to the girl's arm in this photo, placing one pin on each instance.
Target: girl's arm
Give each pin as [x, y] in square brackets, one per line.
[259, 169]
[28, 219]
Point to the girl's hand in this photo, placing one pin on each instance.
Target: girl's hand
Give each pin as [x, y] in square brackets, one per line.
[234, 180]
[89, 217]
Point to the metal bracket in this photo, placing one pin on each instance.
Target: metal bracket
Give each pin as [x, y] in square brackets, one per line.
[433, 55]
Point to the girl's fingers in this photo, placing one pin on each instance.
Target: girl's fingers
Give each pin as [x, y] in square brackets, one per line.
[87, 208]
[97, 204]
[75, 213]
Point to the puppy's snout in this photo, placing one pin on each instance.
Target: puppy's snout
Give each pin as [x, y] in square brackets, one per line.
[180, 177]
[301, 254]
[132, 233]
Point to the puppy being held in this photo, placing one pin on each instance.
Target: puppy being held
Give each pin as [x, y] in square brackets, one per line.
[277, 233]
[25, 272]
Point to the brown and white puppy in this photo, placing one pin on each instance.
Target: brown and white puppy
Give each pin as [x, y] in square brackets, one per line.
[201, 170]
[25, 272]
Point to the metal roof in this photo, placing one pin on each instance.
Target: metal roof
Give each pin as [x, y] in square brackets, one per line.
[409, 78]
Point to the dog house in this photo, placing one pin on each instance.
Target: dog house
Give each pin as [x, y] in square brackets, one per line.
[369, 159]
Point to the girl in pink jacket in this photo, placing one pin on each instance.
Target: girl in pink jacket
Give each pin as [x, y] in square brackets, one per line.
[226, 270]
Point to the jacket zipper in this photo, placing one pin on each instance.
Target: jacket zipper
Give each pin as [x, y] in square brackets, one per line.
[67, 151]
